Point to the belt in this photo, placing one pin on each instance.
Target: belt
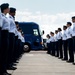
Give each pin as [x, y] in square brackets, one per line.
[73, 37]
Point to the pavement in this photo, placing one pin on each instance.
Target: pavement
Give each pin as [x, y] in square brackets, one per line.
[40, 63]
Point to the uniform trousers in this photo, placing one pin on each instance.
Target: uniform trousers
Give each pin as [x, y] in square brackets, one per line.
[11, 49]
[56, 49]
[4, 50]
[65, 49]
[60, 48]
[70, 47]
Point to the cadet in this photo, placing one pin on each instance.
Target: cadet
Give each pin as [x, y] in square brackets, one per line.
[0, 30]
[23, 42]
[56, 43]
[64, 38]
[19, 41]
[16, 42]
[73, 33]
[70, 42]
[4, 39]
[52, 43]
[59, 36]
[48, 43]
[11, 38]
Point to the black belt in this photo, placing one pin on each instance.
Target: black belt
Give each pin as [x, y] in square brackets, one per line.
[73, 37]
[0, 28]
[4, 30]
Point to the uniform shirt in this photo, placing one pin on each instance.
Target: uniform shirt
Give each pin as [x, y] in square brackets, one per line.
[52, 39]
[5, 23]
[16, 32]
[19, 35]
[69, 32]
[56, 39]
[22, 39]
[64, 36]
[59, 35]
[12, 25]
[48, 41]
[73, 29]
[0, 19]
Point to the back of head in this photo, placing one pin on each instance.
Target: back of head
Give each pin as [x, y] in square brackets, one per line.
[12, 10]
[4, 6]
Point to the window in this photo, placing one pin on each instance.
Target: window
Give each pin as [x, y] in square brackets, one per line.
[35, 32]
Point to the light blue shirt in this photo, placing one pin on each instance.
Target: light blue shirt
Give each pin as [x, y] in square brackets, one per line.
[73, 29]
[69, 32]
[0, 18]
[52, 39]
[12, 24]
[5, 23]
[56, 39]
[59, 35]
[64, 36]
[22, 39]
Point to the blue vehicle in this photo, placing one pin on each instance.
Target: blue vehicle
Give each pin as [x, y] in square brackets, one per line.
[33, 39]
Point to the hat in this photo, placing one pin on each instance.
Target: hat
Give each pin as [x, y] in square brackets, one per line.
[4, 6]
[12, 10]
[69, 23]
[73, 17]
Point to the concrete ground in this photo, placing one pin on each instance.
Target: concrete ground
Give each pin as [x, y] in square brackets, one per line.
[40, 63]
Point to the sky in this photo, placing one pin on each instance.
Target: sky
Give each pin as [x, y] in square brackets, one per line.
[49, 14]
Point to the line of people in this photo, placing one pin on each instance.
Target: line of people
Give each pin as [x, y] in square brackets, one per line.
[11, 39]
[61, 44]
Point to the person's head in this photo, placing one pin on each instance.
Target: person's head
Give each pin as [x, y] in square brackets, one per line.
[52, 33]
[20, 30]
[69, 24]
[56, 31]
[48, 36]
[59, 29]
[73, 19]
[12, 11]
[17, 24]
[64, 27]
[5, 8]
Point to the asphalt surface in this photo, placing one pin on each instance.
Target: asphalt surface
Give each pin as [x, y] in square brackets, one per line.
[40, 63]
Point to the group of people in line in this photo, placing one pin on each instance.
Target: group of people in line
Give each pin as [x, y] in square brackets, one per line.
[61, 43]
[11, 39]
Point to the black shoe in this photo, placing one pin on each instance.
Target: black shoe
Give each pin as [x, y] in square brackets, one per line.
[64, 59]
[60, 57]
[6, 73]
[70, 61]
[14, 64]
[12, 68]
[73, 63]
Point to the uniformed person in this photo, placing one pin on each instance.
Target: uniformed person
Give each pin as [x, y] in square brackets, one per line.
[48, 43]
[70, 42]
[0, 30]
[11, 38]
[19, 41]
[52, 44]
[16, 42]
[0, 27]
[23, 42]
[59, 36]
[64, 38]
[73, 34]
[56, 44]
[4, 39]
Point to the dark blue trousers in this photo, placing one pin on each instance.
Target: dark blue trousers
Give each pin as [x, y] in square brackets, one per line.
[70, 47]
[4, 50]
[11, 49]
[65, 49]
